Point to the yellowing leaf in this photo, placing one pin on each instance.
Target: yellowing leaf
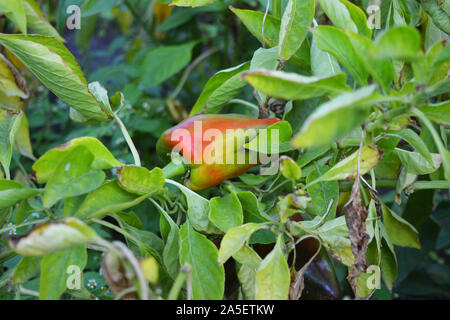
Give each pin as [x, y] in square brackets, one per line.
[347, 169]
[150, 268]
[162, 12]
[273, 277]
[191, 3]
[53, 236]
[296, 19]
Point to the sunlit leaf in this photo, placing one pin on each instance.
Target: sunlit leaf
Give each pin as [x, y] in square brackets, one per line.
[235, 239]
[103, 159]
[291, 86]
[140, 180]
[273, 276]
[226, 212]
[296, 19]
[401, 43]
[219, 89]
[53, 64]
[72, 177]
[333, 119]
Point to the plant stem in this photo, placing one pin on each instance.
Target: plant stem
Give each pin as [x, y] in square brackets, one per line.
[137, 160]
[189, 69]
[420, 185]
[179, 281]
[115, 228]
[23, 225]
[276, 9]
[347, 185]
[173, 170]
[244, 103]
[437, 140]
[263, 23]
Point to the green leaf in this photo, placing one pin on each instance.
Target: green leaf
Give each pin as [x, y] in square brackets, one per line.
[389, 268]
[311, 155]
[54, 271]
[381, 70]
[53, 64]
[334, 236]
[338, 13]
[323, 192]
[149, 244]
[9, 125]
[296, 19]
[23, 142]
[226, 212]
[289, 168]
[192, 3]
[253, 179]
[198, 210]
[253, 21]
[101, 95]
[433, 67]
[247, 256]
[163, 62]
[399, 43]
[292, 86]
[414, 140]
[54, 236]
[334, 119]
[172, 245]
[273, 277]
[346, 15]
[272, 140]
[347, 168]
[37, 21]
[208, 277]
[94, 7]
[439, 112]
[220, 89]
[436, 9]
[140, 180]
[27, 268]
[15, 10]
[108, 199]
[400, 231]
[264, 59]
[11, 85]
[12, 192]
[72, 177]
[235, 239]
[336, 42]
[250, 205]
[415, 163]
[103, 159]
[250, 262]
[322, 63]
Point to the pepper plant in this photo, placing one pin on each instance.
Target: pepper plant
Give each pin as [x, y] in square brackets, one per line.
[347, 99]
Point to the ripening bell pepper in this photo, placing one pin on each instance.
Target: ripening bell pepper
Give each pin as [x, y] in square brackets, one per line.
[195, 137]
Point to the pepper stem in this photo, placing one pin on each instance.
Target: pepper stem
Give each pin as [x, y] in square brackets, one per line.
[174, 169]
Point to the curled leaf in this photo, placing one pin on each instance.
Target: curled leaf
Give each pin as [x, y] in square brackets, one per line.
[53, 236]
